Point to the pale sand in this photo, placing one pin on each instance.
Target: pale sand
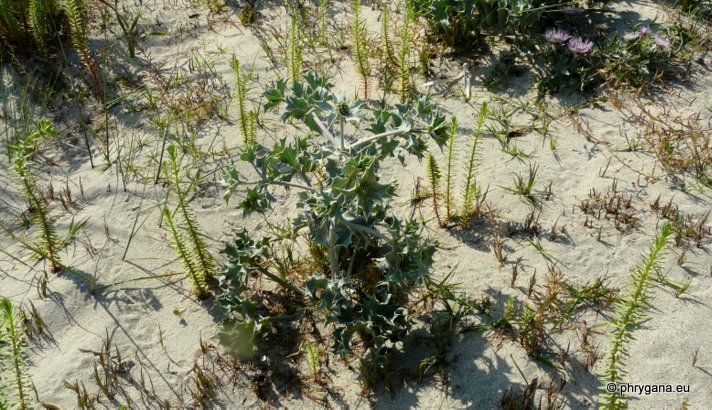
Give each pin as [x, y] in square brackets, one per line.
[482, 366]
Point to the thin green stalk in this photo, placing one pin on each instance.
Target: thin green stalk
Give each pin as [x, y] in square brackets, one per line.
[49, 240]
[451, 159]
[358, 31]
[163, 129]
[469, 187]
[245, 120]
[200, 288]
[203, 258]
[385, 28]
[630, 312]
[295, 49]
[432, 171]
[74, 10]
[13, 357]
[322, 22]
[404, 53]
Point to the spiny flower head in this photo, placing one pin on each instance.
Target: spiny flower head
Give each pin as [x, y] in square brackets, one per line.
[661, 41]
[556, 36]
[578, 45]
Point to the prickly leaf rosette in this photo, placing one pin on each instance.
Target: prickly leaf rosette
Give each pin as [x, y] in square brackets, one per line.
[372, 260]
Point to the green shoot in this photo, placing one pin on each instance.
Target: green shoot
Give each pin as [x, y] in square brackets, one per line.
[449, 177]
[295, 49]
[14, 374]
[358, 28]
[470, 190]
[432, 171]
[246, 120]
[195, 276]
[203, 259]
[404, 53]
[630, 312]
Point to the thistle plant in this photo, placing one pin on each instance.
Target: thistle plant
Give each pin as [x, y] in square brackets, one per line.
[630, 313]
[246, 120]
[358, 34]
[374, 259]
[566, 62]
[15, 380]
[641, 55]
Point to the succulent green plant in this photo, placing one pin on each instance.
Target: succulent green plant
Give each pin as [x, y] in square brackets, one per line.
[49, 243]
[245, 119]
[406, 41]
[15, 380]
[451, 159]
[190, 268]
[432, 173]
[630, 313]
[202, 258]
[31, 23]
[358, 34]
[295, 49]
[74, 10]
[470, 189]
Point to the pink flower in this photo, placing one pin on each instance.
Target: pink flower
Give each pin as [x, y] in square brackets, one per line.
[556, 36]
[644, 31]
[579, 46]
[661, 41]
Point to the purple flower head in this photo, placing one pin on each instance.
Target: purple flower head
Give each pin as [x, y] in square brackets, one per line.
[556, 36]
[579, 46]
[661, 41]
[644, 31]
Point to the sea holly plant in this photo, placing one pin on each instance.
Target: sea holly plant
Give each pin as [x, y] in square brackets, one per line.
[372, 260]
[566, 61]
[641, 55]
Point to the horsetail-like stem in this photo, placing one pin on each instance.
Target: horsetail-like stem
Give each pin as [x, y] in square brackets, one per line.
[246, 120]
[202, 258]
[432, 173]
[15, 380]
[358, 31]
[469, 188]
[404, 53]
[449, 177]
[195, 276]
[630, 312]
